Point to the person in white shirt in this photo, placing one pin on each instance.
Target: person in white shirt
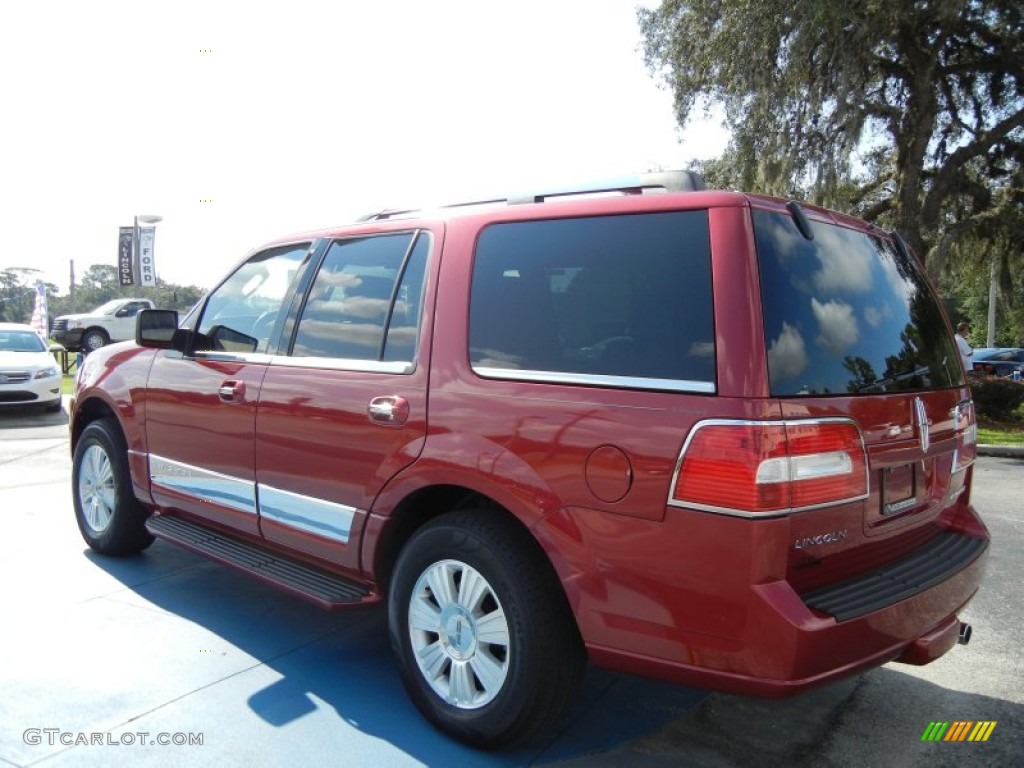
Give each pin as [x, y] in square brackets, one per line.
[966, 352]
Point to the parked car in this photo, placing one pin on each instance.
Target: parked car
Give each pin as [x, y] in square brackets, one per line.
[711, 437]
[113, 321]
[28, 373]
[1001, 361]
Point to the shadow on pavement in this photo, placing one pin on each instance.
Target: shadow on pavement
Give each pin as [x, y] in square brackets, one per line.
[342, 661]
[30, 417]
[878, 718]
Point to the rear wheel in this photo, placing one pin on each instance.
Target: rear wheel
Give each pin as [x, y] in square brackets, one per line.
[485, 642]
[109, 516]
[94, 338]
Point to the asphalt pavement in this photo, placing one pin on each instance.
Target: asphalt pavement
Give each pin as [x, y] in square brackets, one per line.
[102, 660]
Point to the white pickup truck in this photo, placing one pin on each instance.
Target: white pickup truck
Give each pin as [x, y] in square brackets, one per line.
[114, 321]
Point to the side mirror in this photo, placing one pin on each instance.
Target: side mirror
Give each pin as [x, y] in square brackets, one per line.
[155, 328]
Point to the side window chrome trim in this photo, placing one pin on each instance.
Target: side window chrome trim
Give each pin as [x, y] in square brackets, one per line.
[596, 380]
[203, 484]
[255, 358]
[326, 519]
[397, 367]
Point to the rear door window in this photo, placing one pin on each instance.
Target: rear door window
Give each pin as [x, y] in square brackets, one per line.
[365, 303]
[611, 301]
[848, 313]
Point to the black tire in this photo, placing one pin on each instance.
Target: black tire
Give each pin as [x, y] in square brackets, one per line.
[93, 339]
[514, 689]
[111, 519]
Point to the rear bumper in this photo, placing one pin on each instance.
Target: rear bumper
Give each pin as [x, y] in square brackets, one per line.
[924, 650]
[931, 645]
[719, 618]
[816, 650]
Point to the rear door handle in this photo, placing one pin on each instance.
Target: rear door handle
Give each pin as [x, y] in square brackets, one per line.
[391, 411]
[232, 391]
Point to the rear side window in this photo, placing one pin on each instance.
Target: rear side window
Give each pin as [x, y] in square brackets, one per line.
[613, 301]
[847, 313]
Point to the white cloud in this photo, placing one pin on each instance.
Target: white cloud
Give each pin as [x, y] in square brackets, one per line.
[787, 355]
[837, 325]
[872, 316]
[846, 260]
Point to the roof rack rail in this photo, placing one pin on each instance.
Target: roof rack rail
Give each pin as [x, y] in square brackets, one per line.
[670, 181]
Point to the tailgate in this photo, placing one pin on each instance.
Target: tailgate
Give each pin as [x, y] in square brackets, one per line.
[919, 450]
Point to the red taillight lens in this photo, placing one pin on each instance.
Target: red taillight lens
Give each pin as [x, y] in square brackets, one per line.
[720, 466]
[966, 435]
[771, 467]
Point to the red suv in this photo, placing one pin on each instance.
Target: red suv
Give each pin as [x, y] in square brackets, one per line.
[710, 437]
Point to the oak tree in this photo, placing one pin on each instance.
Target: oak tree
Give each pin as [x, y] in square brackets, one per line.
[908, 112]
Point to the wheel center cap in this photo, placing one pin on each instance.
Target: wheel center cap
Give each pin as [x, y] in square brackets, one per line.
[458, 633]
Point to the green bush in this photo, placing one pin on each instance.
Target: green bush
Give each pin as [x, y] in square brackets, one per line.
[996, 398]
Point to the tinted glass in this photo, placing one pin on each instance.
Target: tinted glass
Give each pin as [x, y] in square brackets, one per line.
[243, 310]
[626, 296]
[847, 313]
[403, 331]
[353, 300]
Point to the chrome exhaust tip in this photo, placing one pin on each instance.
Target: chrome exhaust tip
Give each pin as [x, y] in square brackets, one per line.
[965, 633]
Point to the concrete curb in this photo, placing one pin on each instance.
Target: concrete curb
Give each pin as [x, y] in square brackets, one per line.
[1002, 451]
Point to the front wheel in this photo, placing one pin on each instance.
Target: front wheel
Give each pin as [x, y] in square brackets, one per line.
[109, 516]
[485, 642]
[94, 338]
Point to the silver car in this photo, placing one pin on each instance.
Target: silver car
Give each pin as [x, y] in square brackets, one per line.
[28, 373]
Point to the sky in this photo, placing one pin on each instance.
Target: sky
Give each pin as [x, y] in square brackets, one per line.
[239, 122]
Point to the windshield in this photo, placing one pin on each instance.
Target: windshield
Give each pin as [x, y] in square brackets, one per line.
[21, 341]
[107, 308]
[847, 313]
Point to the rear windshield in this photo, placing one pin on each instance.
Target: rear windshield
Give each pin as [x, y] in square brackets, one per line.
[847, 313]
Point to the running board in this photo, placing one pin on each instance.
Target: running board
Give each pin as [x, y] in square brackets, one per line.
[327, 589]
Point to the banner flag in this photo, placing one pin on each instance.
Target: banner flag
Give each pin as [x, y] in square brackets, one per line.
[40, 319]
[147, 266]
[126, 256]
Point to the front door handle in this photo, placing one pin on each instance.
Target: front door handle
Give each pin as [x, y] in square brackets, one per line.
[391, 411]
[232, 391]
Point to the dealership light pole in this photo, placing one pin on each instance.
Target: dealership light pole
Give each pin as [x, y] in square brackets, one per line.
[141, 219]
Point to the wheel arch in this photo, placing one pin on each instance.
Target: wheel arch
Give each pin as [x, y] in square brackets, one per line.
[387, 535]
[88, 411]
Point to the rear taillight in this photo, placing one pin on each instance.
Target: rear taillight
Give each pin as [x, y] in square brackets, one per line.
[770, 468]
[966, 435]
